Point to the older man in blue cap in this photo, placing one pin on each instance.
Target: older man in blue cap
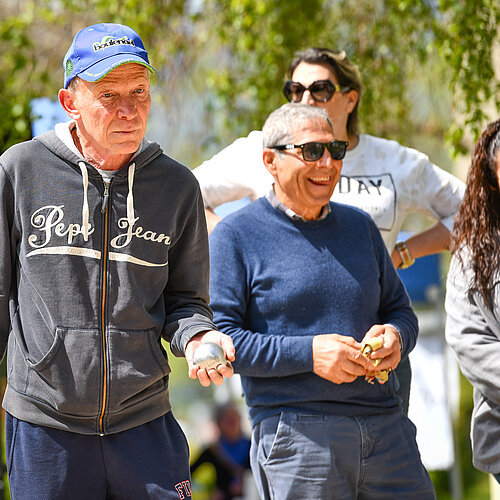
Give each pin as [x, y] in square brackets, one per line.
[103, 252]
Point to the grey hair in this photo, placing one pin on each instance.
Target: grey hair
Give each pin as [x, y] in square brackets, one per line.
[281, 124]
[74, 84]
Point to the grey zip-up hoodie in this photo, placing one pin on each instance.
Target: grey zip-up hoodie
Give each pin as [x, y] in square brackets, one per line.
[91, 279]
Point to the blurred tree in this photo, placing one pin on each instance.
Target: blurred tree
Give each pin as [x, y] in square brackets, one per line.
[466, 36]
[16, 63]
[394, 42]
[221, 63]
[233, 55]
[34, 47]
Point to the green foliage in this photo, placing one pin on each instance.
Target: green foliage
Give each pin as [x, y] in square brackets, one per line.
[203, 482]
[466, 41]
[389, 40]
[394, 42]
[16, 64]
[475, 483]
[34, 47]
[234, 54]
[256, 40]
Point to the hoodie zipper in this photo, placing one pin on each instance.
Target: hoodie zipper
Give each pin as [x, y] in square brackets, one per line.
[104, 210]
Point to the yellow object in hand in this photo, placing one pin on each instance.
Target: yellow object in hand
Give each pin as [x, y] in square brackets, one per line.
[367, 347]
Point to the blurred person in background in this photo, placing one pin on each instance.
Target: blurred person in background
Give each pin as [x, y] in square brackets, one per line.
[473, 296]
[229, 454]
[383, 178]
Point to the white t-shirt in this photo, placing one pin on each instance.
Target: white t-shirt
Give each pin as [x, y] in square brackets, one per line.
[383, 178]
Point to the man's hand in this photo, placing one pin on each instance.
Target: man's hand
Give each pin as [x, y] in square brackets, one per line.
[338, 358]
[390, 352]
[212, 375]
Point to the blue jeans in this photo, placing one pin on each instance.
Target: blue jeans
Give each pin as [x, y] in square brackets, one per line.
[298, 456]
[150, 461]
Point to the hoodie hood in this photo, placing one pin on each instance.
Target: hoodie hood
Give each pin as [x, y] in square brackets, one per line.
[151, 151]
[92, 275]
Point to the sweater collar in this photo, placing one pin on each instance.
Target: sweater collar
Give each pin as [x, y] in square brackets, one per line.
[279, 205]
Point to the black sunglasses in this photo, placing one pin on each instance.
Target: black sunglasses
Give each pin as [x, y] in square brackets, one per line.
[321, 90]
[313, 151]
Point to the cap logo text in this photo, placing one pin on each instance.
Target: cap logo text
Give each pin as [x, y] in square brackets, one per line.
[109, 41]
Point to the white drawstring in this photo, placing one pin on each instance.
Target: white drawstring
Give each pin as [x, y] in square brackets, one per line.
[130, 196]
[85, 207]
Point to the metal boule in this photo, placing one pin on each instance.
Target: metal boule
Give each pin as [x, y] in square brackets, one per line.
[209, 355]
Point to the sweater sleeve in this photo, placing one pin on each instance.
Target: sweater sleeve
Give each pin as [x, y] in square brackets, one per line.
[6, 256]
[230, 174]
[258, 354]
[395, 306]
[473, 333]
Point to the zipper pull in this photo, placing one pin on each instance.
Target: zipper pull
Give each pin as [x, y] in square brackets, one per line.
[106, 196]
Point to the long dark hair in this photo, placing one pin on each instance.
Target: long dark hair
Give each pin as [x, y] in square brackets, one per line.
[477, 225]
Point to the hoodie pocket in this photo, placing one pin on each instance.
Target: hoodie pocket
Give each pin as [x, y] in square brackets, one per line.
[138, 367]
[68, 377]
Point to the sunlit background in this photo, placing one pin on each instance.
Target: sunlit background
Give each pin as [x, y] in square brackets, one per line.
[430, 70]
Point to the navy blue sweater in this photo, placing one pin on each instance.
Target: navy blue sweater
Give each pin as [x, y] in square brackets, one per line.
[276, 283]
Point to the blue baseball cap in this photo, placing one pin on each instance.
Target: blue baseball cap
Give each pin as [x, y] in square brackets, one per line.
[100, 48]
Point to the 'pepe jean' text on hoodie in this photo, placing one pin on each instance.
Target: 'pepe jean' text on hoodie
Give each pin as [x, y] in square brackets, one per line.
[49, 221]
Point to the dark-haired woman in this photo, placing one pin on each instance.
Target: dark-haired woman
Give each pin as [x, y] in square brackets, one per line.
[473, 299]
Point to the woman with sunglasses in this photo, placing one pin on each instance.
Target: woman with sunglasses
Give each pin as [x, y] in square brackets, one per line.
[383, 178]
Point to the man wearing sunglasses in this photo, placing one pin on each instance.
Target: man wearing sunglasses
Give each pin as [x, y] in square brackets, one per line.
[383, 178]
[299, 283]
